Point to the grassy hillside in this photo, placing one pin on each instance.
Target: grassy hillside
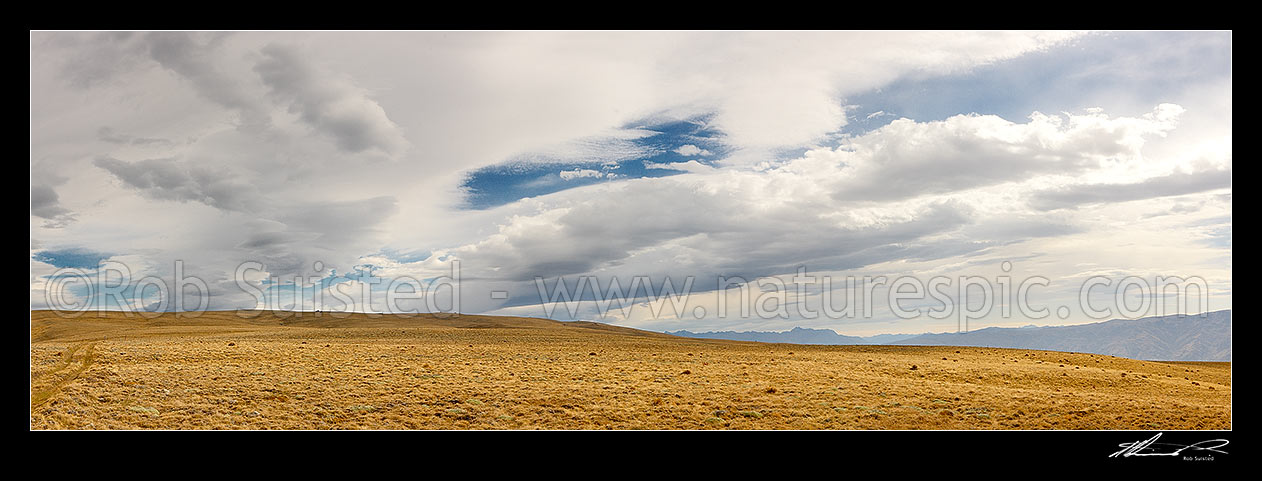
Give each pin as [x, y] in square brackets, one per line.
[219, 371]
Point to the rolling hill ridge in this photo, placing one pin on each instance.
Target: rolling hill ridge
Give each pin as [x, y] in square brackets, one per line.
[1200, 337]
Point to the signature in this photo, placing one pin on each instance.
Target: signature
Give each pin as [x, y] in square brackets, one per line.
[1151, 447]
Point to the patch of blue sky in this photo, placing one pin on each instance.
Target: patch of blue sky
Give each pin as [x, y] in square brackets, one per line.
[73, 257]
[655, 143]
[366, 273]
[77, 289]
[1219, 237]
[362, 272]
[405, 256]
[286, 290]
[114, 293]
[287, 295]
[1124, 73]
[1211, 221]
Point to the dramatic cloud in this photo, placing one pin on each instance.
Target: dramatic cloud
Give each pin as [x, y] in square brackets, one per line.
[168, 179]
[912, 191]
[328, 103]
[525, 155]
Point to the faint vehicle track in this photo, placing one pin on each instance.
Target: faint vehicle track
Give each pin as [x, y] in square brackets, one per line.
[67, 358]
[42, 396]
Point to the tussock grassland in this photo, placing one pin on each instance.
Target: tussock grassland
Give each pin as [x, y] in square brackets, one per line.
[219, 371]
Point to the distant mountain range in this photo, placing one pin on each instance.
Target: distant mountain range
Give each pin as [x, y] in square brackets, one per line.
[1201, 337]
[798, 335]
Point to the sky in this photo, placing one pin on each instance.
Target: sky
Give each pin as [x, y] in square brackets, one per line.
[285, 169]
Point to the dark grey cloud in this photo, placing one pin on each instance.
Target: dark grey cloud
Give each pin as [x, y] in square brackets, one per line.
[169, 179]
[671, 228]
[1178, 183]
[192, 57]
[265, 240]
[747, 255]
[328, 103]
[46, 204]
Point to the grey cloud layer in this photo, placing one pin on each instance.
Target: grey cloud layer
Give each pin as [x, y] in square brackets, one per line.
[263, 173]
[192, 58]
[108, 134]
[907, 158]
[1178, 183]
[169, 179]
[328, 103]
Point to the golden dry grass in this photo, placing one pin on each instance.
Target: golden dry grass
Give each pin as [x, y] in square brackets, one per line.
[476, 372]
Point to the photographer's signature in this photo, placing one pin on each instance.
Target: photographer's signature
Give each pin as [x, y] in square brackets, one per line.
[1151, 447]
